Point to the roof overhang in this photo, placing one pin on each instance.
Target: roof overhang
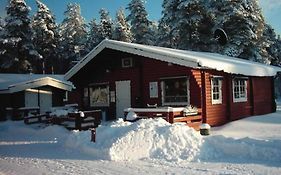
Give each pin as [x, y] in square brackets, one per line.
[181, 57]
[135, 49]
[37, 83]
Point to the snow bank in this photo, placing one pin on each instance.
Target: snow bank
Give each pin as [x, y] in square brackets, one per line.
[144, 139]
[156, 139]
[150, 139]
[245, 150]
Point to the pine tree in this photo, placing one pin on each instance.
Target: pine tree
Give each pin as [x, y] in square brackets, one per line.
[153, 31]
[168, 35]
[194, 25]
[73, 35]
[274, 45]
[45, 38]
[122, 30]
[17, 51]
[140, 24]
[243, 22]
[106, 24]
[163, 37]
[94, 35]
[1, 25]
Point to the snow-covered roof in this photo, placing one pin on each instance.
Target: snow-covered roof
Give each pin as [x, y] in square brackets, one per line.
[10, 83]
[181, 57]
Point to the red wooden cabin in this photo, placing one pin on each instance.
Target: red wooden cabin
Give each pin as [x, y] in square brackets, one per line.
[117, 75]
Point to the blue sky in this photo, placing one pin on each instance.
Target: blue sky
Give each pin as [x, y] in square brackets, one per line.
[90, 8]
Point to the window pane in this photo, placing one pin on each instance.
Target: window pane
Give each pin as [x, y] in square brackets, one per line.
[215, 82]
[240, 89]
[216, 86]
[175, 90]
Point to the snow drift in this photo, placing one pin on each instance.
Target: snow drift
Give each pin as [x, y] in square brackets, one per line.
[156, 139]
[144, 139]
[150, 139]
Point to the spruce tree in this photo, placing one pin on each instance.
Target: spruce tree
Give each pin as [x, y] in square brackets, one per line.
[17, 51]
[73, 35]
[168, 35]
[273, 45]
[122, 30]
[140, 24]
[106, 24]
[194, 25]
[94, 35]
[164, 38]
[243, 22]
[45, 38]
[1, 25]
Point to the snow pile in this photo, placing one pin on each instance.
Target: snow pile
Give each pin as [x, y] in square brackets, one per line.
[131, 116]
[151, 139]
[156, 139]
[245, 150]
[62, 111]
[144, 139]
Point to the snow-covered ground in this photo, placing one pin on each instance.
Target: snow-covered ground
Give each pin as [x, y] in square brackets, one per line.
[248, 146]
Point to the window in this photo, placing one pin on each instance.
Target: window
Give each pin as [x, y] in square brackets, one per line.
[216, 84]
[127, 62]
[99, 95]
[239, 90]
[175, 91]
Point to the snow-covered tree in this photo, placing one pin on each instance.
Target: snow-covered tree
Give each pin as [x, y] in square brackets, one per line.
[194, 25]
[106, 24]
[122, 30]
[163, 35]
[45, 38]
[243, 22]
[17, 51]
[140, 24]
[94, 35]
[1, 25]
[73, 34]
[274, 45]
[168, 35]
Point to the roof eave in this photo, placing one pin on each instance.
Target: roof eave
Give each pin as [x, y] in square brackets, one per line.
[110, 44]
[47, 81]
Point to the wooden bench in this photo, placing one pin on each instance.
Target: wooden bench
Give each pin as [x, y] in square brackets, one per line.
[21, 113]
[82, 120]
[40, 118]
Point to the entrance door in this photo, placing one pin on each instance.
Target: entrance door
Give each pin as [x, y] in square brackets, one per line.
[123, 97]
[31, 98]
[45, 100]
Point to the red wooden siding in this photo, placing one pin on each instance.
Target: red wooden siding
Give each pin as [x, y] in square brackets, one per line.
[262, 95]
[216, 114]
[106, 68]
[240, 110]
[154, 70]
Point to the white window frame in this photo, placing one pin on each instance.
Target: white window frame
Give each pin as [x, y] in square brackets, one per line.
[242, 97]
[219, 100]
[174, 103]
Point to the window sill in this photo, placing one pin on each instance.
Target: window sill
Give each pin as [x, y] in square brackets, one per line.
[240, 100]
[176, 104]
[217, 102]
